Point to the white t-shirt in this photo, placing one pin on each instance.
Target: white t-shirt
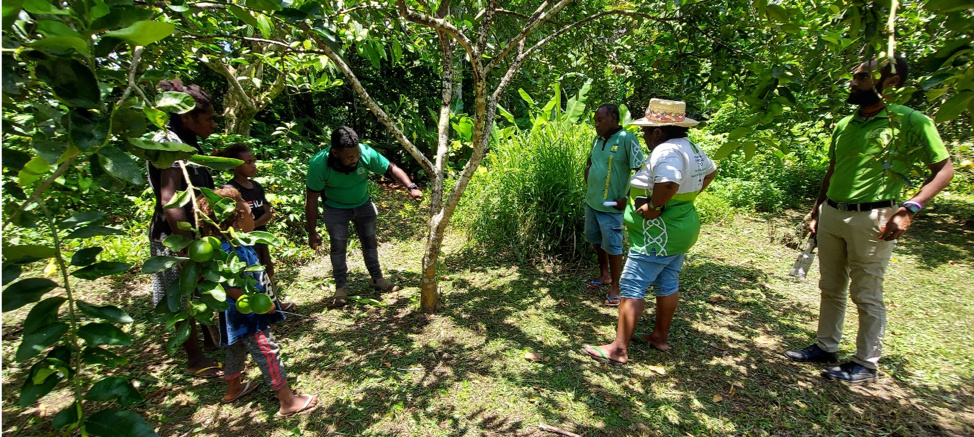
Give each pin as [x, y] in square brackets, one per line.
[677, 160]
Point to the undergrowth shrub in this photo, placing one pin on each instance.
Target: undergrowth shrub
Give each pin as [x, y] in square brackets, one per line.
[527, 196]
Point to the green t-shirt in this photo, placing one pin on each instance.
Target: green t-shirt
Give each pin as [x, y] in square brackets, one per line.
[612, 163]
[345, 190]
[869, 165]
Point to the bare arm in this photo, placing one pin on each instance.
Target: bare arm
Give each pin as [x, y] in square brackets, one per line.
[265, 217]
[171, 181]
[940, 175]
[707, 180]
[662, 193]
[813, 224]
[403, 179]
[311, 218]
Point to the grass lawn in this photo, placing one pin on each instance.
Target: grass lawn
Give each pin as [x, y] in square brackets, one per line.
[390, 369]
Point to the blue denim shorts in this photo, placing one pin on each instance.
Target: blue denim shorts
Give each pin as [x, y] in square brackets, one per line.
[604, 228]
[642, 270]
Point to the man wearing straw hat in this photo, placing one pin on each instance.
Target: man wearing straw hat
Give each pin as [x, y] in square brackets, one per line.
[857, 217]
[615, 153]
[663, 224]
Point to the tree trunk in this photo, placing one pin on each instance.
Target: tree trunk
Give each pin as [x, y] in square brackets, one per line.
[429, 291]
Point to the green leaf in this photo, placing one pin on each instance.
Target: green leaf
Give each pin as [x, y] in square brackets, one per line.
[11, 272]
[93, 230]
[265, 25]
[97, 355]
[725, 150]
[159, 263]
[778, 13]
[69, 416]
[948, 5]
[243, 15]
[954, 106]
[56, 28]
[189, 276]
[216, 162]
[157, 117]
[43, 7]
[143, 33]
[122, 16]
[25, 291]
[27, 253]
[114, 388]
[51, 151]
[263, 5]
[15, 159]
[180, 200]
[526, 97]
[55, 365]
[85, 257]
[44, 313]
[99, 269]
[110, 313]
[95, 334]
[38, 340]
[221, 206]
[62, 45]
[749, 149]
[81, 219]
[264, 237]
[214, 289]
[118, 423]
[175, 102]
[128, 122]
[70, 80]
[575, 108]
[11, 10]
[177, 242]
[182, 333]
[33, 171]
[86, 130]
[738, 133]
[169, 147]
[121, 165]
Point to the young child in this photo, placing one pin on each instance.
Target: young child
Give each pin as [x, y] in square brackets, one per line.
[253, 193]
[240, 333]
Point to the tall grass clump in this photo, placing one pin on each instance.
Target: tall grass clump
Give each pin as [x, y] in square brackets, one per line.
[527, 198]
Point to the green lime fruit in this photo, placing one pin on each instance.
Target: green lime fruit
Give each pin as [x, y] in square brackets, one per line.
[261, 303]
[200, 251]
[243, 305]
[215, 242]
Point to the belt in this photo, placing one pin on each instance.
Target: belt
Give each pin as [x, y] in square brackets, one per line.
[859, 207]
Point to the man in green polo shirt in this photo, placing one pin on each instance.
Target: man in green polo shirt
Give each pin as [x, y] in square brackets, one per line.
[615, 153]
[339, 175]
[858, 217]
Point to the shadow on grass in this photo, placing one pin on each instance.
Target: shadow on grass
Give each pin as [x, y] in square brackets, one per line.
[392, 370]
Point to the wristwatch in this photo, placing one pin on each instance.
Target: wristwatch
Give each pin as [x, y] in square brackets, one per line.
[913, 207]
[654, 207]
[412, 187]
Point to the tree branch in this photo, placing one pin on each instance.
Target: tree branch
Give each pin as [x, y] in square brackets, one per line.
[217, 65]
[503, 11]
[136, 55]
[448, 28]
[373, 106]
[443, 125]
[486, 24]
[539, 16]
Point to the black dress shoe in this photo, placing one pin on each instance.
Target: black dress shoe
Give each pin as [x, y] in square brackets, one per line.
[812, 354]
[851, 372]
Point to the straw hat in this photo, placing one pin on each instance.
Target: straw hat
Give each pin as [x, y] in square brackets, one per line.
[666, 113]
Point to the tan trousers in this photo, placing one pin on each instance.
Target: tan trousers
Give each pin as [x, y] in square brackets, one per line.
[853, 260]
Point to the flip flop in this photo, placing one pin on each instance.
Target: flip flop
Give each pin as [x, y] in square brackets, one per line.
[595, 284]
[249, 387]
[287, 306]
[636, 338]
[602, 357]
[307, 407]
[199, 373]
[613, 301]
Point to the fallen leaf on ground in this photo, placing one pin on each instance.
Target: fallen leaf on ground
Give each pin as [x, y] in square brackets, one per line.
[531, 356]
[657, 369]
[716, 299]
[718, 398]
[733, 390]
